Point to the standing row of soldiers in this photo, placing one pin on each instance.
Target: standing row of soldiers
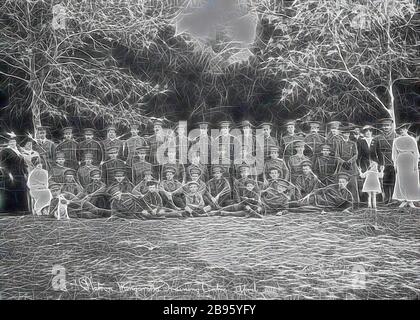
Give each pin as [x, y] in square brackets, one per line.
[305, 162]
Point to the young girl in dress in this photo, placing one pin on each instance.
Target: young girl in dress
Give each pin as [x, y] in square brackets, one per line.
[372, 184]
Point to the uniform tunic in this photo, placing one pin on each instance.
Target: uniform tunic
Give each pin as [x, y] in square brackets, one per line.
[56, 173]
[385, 143]
[326, 167]
[332, 197]
[295, 166]
[138, 170]
[69, 148]
[108, 170]
[83, 174]
[46, 151]
[307, 183]
[72, 187]
[219, 186]
[284, 172]
[114, 143]
[287, 146]
[334, 140]
[315, 141]
[129, 148]
[93, 147]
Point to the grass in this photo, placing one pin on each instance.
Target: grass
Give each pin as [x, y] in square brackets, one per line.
[295, 256]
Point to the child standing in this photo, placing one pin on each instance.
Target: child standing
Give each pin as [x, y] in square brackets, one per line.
[372, 184]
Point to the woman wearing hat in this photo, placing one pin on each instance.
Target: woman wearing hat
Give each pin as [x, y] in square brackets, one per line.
[28, 153]
[405, 155]
[14, 178]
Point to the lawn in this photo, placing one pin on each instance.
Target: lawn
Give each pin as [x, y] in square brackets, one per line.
[294, 256]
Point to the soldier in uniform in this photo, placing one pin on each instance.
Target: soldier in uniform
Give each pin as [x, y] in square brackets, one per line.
[347, 152]
[268, 139]
[132, 144]
[295, 160]
[76, 208]
[276, 196]
[219, 187]
[201, 145]
[170, 190]
[109, 167]
[172, 162]
[275, 161]
[332, 197]
[326, 166]
[95, 192]
[385, 142]
[307, 182]
[112, 141]
[89, 145]
[249, 203]
[139, 165]
[69, 147]
[153, 199]
[71, 185]
[197, 164]
[194, 201]
[83, 173]
[44, 147]
[141, 188]
[314, 139]
[155, 141]
[287, 141]
[228, 144]
[334, 138]
[56, 172]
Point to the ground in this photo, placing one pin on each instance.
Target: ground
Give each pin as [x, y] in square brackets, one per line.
[293, 256]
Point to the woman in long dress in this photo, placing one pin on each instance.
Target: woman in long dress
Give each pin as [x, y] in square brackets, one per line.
[38, 188]
[405, 155]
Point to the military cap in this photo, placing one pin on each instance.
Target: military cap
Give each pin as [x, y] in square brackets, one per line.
[59, 155]
[346, 129]
[218, 168]
[193, 182]
[195, 170]
[243, 166]
[112, 150]
[385, 120]
[41, 128]
[225, 124]
[95, 172]
[111, 127]
[203, 124]
[265, 124]
[54, 186]
[245, 123]
[68, 129]
[88, 155]
[325, 146]
[88, 131]
[300, 134]
[306, 163]
[334, 124]
[142, 149]
[298, 143]
[314, 123]
[157, 122]
[343, 175]
[367, 127]
[290, 123]
[70, 172]
[250, 181]
[119, 172]
[151, 183]
[170, 169]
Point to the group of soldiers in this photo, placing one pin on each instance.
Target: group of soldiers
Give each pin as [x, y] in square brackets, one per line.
[124, 177]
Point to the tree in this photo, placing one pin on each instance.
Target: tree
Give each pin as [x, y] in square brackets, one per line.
[344, 56]
[60, 55]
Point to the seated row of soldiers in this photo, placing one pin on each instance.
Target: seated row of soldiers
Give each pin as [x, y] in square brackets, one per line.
[220, 195]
